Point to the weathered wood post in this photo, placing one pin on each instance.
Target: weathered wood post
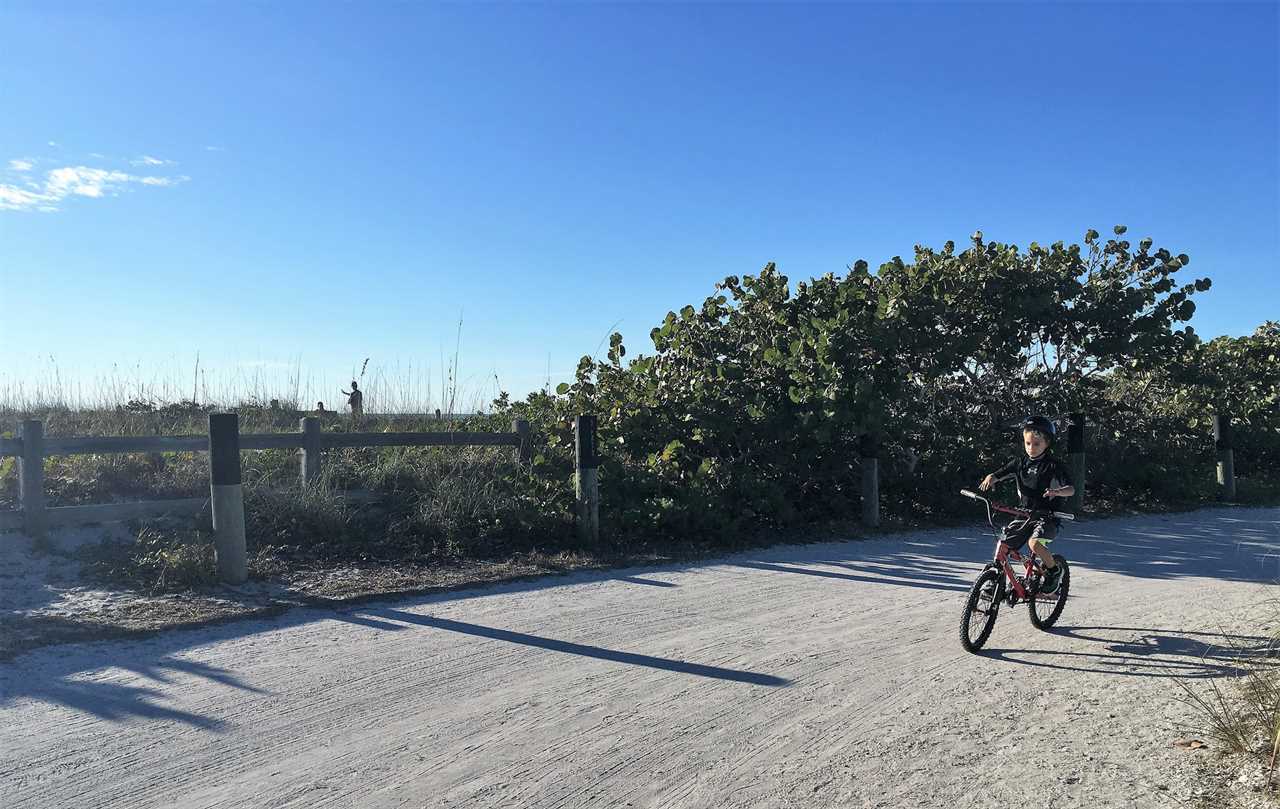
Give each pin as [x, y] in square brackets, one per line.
[309, 455]
[1226, 456]
[35, 522]
[586, 484]
[227, 496]
[868, 450]
[1075, 454]
[524, 449]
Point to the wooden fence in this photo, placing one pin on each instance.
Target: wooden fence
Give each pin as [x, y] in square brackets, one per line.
[224, 444]
[34, 518]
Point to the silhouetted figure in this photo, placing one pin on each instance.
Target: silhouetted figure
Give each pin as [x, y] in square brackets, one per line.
[355, 399]
[320, 411]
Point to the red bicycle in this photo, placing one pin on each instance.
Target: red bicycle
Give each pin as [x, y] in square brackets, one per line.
[999, 584]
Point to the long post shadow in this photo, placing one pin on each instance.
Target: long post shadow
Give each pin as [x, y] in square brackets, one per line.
[927, 584]
[597, 652]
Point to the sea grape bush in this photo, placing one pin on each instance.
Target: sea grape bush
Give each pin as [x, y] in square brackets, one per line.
[749, 409]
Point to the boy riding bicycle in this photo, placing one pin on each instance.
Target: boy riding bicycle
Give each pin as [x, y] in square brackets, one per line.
[1040, 477]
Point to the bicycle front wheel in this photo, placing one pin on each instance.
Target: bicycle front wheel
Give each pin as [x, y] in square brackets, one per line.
[980, 609]
[1045, 608]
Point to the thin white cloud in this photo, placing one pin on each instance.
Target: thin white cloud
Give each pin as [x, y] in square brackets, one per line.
[148, 160]
[53, 143]
[163, 181]
[83, 181]
[21, 165]
[14, 198]
[214, 149]
[74, 181]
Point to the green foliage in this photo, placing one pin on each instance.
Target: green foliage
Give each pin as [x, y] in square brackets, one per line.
[748, 410]
[164, 558]
[1170, 406]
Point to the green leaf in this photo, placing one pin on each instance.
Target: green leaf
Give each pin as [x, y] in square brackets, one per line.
[563, 388]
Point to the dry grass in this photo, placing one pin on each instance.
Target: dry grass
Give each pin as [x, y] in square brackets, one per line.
[1242, 716]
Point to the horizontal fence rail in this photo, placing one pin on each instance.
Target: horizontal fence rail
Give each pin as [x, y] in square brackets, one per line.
[125, 443]
[12, 447]
[458, 439]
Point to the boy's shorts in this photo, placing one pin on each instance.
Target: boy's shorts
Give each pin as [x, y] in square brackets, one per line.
[1018, 532]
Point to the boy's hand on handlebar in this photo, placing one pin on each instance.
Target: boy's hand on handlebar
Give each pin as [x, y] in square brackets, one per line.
[1055, 493]
[987, 483]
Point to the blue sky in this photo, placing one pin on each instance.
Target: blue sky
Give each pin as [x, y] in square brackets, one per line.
[306, 185]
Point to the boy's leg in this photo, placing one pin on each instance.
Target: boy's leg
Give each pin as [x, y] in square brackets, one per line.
[1044, 533]
[1042, 551]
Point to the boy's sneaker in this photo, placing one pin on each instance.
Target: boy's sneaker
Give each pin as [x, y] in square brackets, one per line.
[1052, 578]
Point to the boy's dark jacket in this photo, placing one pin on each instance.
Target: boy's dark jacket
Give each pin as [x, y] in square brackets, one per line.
[1035, 476]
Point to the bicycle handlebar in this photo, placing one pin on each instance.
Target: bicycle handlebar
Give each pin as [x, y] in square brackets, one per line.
[1062, 515]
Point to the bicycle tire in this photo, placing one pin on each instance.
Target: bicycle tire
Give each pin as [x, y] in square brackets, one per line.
[1064, 589]
[971, 610]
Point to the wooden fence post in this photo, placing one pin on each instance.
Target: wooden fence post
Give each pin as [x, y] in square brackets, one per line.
[309, 455]
[1075, 454]
[227, 495]
[524, 450]
[868, 446]
[586, 484]
[1226, 456]
[35, 522]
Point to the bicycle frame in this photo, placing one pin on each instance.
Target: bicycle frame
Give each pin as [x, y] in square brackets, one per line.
[1004, 554]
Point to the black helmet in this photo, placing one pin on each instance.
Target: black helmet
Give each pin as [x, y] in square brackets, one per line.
[1040, 424]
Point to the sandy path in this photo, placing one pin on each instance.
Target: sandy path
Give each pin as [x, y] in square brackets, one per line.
[820, 675]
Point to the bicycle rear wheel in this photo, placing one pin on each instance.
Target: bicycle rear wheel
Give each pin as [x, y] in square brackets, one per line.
[1045, 608]
[980, 610]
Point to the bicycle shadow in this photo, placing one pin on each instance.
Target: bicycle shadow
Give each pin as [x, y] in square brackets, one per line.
[1149, 653]
[1225, 544]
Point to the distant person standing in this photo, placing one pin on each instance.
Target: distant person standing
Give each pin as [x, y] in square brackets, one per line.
[320, 411]
[355, 399]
